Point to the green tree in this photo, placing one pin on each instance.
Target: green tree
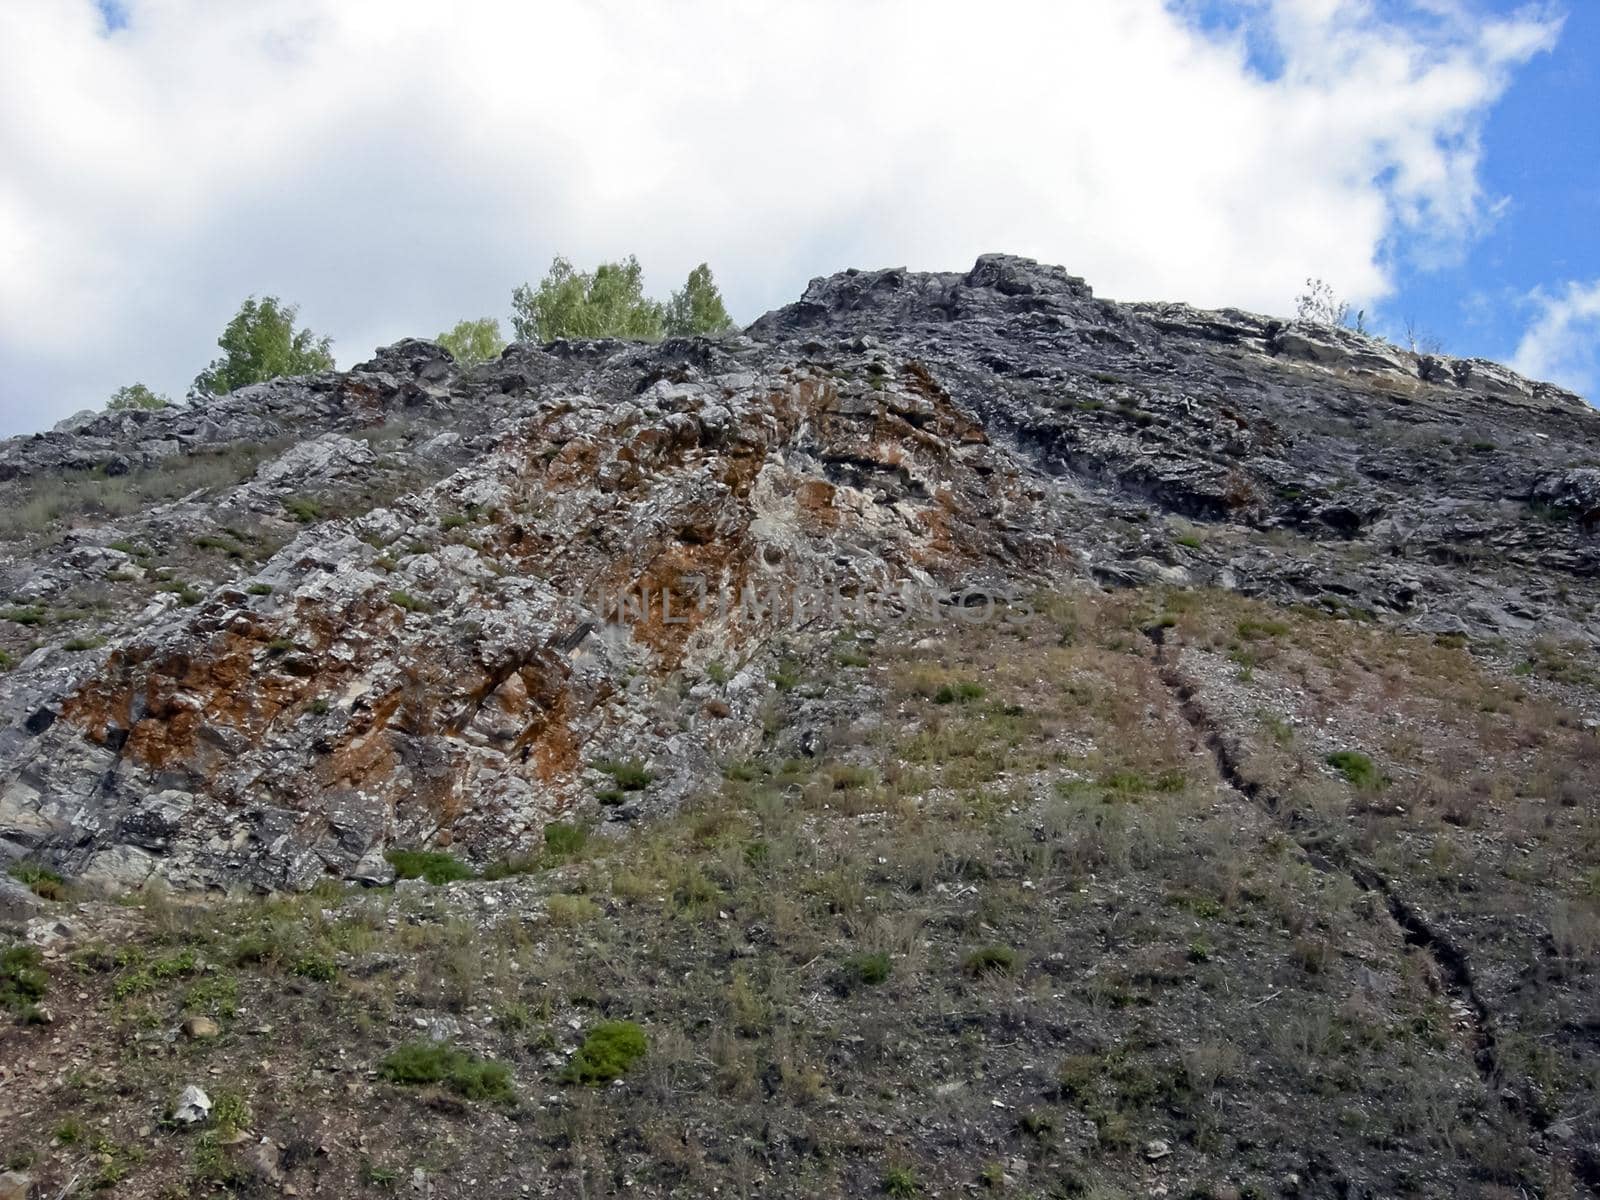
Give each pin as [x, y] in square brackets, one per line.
[261, 343]
[135, 395]
[573, 303]
[473, 342]
[697, 307]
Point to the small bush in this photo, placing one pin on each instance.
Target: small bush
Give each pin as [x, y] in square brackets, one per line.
[231, 1112]
[1037, 1123]
[83, 643]
[302, 508]
[227, 545]
[435, 866]
[571, 910]
[41, 881]
[1357, 768]
[901, 1182]
[260, 589]
[22, 981]
[990, 960]
[412, 604]
[628, 774]
[608, 1051]
[420, 1064]
[959, 693]
[565, 841]
[864, 970]
[315, 966]
[1134, 783]
[187, 593]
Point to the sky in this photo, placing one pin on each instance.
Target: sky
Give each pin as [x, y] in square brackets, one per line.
[392, 166]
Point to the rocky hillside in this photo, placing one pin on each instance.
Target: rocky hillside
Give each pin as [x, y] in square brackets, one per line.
[978, 734]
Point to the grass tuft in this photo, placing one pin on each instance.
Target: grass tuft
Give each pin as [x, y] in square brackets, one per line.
[1357, 768]
[608, 1051]
[424, 1064]
[435, 866]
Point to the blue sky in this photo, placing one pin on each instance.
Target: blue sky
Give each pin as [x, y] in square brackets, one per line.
[1539, 166]
[1541, 151]
[391, 169]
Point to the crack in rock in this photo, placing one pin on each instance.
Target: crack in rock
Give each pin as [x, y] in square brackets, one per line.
[1452, 962]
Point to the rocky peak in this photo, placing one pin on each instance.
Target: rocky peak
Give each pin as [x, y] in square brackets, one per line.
[266, 639]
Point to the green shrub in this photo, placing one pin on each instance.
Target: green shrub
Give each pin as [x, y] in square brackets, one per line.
[864, 970]
[187, 594]
[608, 1050]
[1037, 1123]
[260, 589]
[628, 774]
[900, 1182]
[410, 603]
[1357, 768]
[990, 960]
[82, 643]
[316, 966]
[231, 1112]
[571, 910]
[211, 541]
[435, 866]
[304, 509]
[960, 693]
[420, 1064]
[1135, 783]
[22, 980]
[42, 881]
[564, 841]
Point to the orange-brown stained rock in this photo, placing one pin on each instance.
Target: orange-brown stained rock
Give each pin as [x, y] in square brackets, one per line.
[550, 744]
[815, 500]
[182, 695]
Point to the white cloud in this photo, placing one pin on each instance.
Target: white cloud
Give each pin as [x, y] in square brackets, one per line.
[1563, 342]
[396, 164]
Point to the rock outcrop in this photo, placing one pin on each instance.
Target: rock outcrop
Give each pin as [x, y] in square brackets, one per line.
[266, 640]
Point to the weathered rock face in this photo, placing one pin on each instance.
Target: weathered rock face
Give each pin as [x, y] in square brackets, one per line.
[266, 640]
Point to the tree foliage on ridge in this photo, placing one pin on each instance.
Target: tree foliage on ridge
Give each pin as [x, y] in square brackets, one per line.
[610, 302]
[261, 343]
